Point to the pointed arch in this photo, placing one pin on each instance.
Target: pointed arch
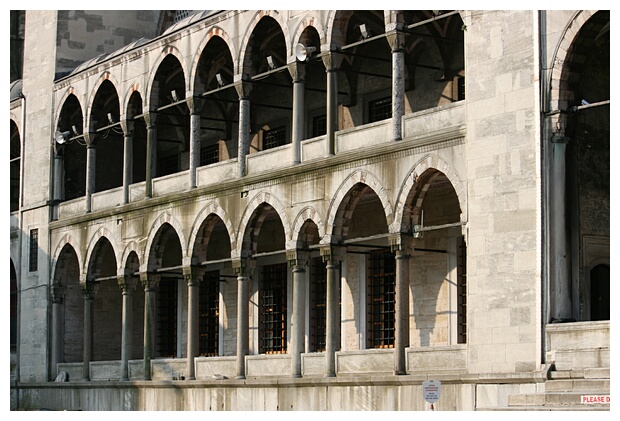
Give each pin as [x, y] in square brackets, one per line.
[215, 31]
[165, 53]
[358, 176]
[429, 162]
[307, 214]
[154, 232]
[211, 208]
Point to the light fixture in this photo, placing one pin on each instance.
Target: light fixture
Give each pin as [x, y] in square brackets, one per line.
[110, 118]
[303, 53]
[61, 137]
[584, 102]
[175, 98]
[219, 79]
[74, 130]
[270, 62]
[364, 31]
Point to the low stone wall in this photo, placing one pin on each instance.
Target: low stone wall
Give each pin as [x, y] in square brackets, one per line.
[578, 345]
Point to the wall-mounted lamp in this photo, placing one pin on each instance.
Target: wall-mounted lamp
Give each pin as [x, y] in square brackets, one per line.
[75, 132]
[219, 79]
[110, 118]
[270, 62]
[61, 137]
[303, 53]
[175, 98]
[364, 31]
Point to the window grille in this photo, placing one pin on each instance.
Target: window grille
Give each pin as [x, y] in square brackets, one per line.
[272, 298]
[167, 165]
[381, 295]
[13, 306]
[210, 154]
[274, 137]
[379, 109]
[167, 317]
[461, 273]
[181, 14]
[319, 125]
[33, 262]
[208, 304]
[318, 296]
[460, 87]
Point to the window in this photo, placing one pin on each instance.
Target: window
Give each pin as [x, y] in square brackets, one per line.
[33, 263]
[208, 304]
[379, 109]
[14, 167]
[318, 296]
[461, 286]
[210, 154]
[460, 88]
[272, 317]
[167, 165]
[319, 125]
[380, 304]
[274, 137]
[167, 317]
[13, 306]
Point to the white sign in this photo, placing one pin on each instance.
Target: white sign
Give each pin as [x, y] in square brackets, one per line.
[431, 390]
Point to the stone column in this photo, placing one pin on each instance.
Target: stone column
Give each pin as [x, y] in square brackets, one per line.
[396, 39]
[57, 295]
[195, 105]
[126, 283]
[243, 148]
[298, 261]
[150, 119]
[128, 127]
[243, 267]
[331, 256]
[88, 293]
[332, 62]
[401, 331]
[193, 276]
[561, 307]
[150, 282]
[59, 175]
[91, 160]
[298, 73]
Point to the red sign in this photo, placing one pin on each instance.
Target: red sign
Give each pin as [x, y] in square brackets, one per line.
[591, 399]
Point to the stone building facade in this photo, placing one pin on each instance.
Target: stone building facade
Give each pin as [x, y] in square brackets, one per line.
[310, 210]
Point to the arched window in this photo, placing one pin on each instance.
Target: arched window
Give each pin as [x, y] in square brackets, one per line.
[15, 166]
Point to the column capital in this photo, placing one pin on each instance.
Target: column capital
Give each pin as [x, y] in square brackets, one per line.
[127, 282]
[243, 87]
[127, 126]
[401, 243]
[89, 289]
[193, 274]
[149, 281]
[57, 293]
[91, 139]
[332, 60]
[559, 137]
[297, 258]
[297, 71]
[195, 104]
[150, 118]
[244, 266]
[395, 36]
[331, 252]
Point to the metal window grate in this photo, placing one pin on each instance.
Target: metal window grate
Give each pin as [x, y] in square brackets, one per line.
[461, 273]
[33, 262]
[167, 165]
[167, 317]
[274, 137]
[381, 296]
[319, 125]
[272, 298]
[208, 305]
[318, 296]
[460, 87]
[210, 154]
[379, 109]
